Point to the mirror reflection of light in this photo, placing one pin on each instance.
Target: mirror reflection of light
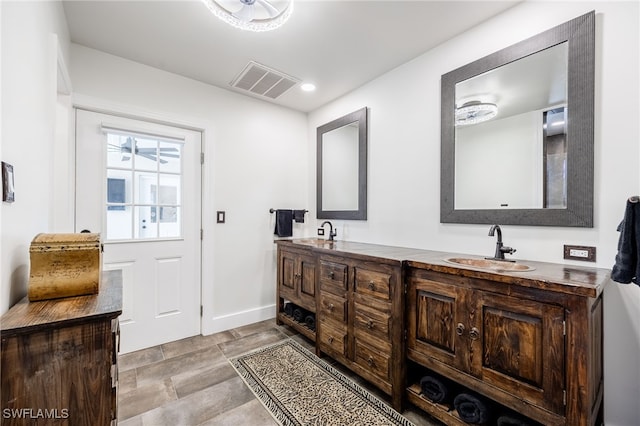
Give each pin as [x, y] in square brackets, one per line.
[475, 112]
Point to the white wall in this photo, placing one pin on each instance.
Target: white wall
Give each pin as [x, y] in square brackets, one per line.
[255, 159]
[31, 32]
[404, 166]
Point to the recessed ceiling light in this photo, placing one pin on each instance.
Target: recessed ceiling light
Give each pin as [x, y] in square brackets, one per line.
[308, 87]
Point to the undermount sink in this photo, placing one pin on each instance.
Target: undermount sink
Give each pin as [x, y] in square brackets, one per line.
[489, 264]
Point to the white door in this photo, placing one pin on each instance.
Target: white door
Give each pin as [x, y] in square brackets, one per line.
[138, 183]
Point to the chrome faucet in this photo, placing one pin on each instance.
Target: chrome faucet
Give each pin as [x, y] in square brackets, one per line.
[332, 232]
[500, 248]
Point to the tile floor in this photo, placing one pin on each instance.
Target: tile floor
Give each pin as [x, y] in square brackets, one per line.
[190, 382]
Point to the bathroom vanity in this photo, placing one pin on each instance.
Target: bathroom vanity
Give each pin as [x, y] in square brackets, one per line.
[531, 341]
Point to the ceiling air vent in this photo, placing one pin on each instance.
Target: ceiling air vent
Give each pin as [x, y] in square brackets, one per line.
[263, 81]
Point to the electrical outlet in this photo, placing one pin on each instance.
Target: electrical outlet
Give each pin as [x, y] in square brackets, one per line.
[584, 253]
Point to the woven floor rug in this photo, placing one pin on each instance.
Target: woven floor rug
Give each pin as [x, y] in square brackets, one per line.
[298, 388]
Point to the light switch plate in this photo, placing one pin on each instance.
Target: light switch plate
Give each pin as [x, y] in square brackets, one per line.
[220, 216]
[584, 253]
[320, 231]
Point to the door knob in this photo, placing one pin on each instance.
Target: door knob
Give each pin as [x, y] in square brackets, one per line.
[460, 329]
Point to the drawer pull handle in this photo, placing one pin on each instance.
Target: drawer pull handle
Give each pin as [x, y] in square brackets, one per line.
[330, 307]
[369, 324]
[474, 333]
[370, 361]
[460, 329]
[332, 275]
[371, 285]
[330, 340]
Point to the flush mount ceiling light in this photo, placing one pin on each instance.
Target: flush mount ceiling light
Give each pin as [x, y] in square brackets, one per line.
[475, 112]
[252, 15]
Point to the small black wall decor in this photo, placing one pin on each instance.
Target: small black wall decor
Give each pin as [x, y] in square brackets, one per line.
[8, 185]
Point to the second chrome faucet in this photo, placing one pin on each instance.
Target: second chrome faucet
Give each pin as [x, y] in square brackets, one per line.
[501, 249]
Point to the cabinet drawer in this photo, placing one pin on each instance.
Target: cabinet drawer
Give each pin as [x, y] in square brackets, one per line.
[373, 283]
[372, 359]
[333, 338]
[333, 276]
[333, 307]
[369, 321]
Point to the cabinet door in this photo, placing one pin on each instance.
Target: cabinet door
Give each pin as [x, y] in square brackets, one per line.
[307, 281]
[434, 320]
[522, 347]
[287, 274]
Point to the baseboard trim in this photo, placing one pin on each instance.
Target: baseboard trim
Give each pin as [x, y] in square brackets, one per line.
[238, 319]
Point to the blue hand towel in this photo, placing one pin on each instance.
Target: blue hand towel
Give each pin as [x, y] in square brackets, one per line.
[627, 267]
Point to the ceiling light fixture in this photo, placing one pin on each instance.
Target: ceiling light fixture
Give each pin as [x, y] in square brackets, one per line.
[475, 112]
[251, 15]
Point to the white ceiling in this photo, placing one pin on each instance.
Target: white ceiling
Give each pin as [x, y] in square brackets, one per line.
[337, 45]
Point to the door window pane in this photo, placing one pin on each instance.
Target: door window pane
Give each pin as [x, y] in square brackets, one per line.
[169, 190]
[119, 223]
[170, 157]
[119, 151]
[146, 220]
[118, 188]
[169, 222]
[144, 188]
[146, 191]
[146, 154]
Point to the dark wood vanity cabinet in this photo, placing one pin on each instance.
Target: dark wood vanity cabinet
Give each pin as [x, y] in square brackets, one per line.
[508, 343]
[360, 316]
[59, 359]
[297, 284]
[529, 341]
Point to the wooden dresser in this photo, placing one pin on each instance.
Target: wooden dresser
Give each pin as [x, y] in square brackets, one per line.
[59, 359]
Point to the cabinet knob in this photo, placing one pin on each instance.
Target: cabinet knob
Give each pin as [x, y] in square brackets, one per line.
[370, 361]
[369, 324]
[474, 333]
[371, 285]
[330, 307]
[332, 275]
[330, 340]
[460, 329]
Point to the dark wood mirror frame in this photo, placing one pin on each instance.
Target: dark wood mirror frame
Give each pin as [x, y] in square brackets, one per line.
[360, 117]
[580, 35]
